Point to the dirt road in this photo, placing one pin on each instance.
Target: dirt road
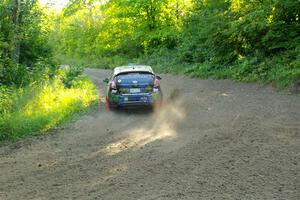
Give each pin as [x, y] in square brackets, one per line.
[211, 140]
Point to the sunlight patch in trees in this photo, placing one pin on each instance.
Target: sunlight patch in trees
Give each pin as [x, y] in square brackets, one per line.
[56, 4]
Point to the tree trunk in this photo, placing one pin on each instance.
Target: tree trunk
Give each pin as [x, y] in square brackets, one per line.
[177, 10]
[17, 20]
[15, 10]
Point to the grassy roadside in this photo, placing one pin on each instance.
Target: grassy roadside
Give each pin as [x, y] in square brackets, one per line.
[38, 108]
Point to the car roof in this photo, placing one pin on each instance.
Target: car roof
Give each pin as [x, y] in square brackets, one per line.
[132, 68]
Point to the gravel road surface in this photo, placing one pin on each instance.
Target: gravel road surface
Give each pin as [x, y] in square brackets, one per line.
[212, 139]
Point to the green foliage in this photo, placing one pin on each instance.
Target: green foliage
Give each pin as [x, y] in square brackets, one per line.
[38, 108]
[117, 27]
[244, 40]
[34, 95]
[6, 98]
[71, 75]
[25, 55]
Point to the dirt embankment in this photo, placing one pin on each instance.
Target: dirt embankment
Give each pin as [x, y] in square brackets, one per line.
[211, 140]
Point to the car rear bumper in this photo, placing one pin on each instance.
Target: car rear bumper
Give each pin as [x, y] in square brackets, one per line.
[134, 99]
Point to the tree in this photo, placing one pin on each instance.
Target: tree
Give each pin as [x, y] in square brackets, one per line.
[23, 42]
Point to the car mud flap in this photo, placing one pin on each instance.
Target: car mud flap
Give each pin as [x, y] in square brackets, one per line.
[108, 106]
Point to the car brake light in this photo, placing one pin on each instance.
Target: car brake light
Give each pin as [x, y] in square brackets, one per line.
[113, 85]
[156, 83]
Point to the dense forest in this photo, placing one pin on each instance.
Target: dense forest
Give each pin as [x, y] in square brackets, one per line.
[254, 40]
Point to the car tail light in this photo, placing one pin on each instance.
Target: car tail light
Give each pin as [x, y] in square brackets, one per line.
[156, 83]
[113, 85]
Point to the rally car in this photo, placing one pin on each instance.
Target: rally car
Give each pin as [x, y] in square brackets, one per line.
[134, 85]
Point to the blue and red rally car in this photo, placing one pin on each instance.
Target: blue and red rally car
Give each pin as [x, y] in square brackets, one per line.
[135, 85]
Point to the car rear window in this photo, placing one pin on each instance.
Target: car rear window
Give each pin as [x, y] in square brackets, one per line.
[129, 77]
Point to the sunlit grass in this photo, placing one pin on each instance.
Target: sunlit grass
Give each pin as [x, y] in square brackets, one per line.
[37, 109]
